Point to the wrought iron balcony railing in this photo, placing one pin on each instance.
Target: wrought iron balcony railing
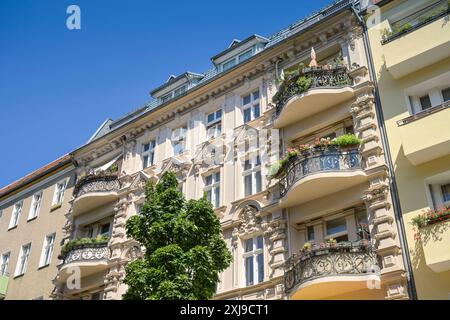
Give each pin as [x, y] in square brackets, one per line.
[87, 252]
[319, 161]
[96, 183]
[345, 258]
[320, 78]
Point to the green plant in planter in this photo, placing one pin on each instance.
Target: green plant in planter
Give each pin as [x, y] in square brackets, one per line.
[304, 83]
[114, 168]
[80, 242]
[404, 28]
[346, 141]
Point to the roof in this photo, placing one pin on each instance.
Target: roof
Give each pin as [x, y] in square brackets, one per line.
[236, 44]
[173, 79]
[52, 166]
[209, 75]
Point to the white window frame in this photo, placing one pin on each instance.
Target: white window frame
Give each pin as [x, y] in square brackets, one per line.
[58, 196]
[213, 188]
[150, 153]
[179, 138]
[180, 90]
[253, 105]
[15, 215]
[35, 206]
[47, 250]
[254, 253]
[4, 263]
[234, 61]
[255, 167]
[336, 234]
[22, 261]
[214, 126]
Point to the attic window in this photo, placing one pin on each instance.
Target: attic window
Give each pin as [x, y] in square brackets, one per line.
[237, 59]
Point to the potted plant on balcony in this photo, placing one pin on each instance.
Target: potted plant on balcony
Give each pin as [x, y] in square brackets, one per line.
[332, 242]
[346, 142]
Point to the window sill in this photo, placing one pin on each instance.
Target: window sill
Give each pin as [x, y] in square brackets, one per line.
[19, 276]
[55, 207]
[31, 219]
[44, 266]
[12, 228]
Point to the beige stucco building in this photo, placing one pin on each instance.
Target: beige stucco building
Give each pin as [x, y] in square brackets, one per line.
[410, 44]
[331, 204]
[32, 217]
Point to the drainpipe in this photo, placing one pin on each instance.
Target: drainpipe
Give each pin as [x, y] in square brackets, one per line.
[392, 181]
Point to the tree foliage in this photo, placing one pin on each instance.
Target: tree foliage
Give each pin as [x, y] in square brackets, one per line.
[184, 250]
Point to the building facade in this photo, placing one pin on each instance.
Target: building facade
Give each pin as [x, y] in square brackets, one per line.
[410, 44]
[32, 216]
[318, 225]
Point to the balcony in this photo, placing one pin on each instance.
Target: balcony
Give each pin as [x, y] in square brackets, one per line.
[417, 41]
[435, 237]
[342, 270]
[311, 92]
[93, 191]
[90, 258]
[4, 279]
[426, 135]
[318, 174]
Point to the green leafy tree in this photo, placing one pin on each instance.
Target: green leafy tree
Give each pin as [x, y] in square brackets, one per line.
[184, 250]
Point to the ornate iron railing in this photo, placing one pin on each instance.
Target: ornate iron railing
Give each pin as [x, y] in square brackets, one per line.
[325, 160]
[88, 252]
[96, 183]
[320, 78]
[345, 258]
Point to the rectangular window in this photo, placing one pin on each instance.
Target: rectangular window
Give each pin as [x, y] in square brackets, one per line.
[214, 124]
[212, 188]
[4, 263]
[47, 250]
[179, 91]
[35, 205]
[310, 231]
[60, 189]
[425, 102]
[166, 97]
[251, 106]
[229, 64]
[17, 211]
[254, 260]
[179, 140]
[337, 229]
[244, 56]
[446, 192]
[148, 154]
[446, 94]
[23, 260]
[252, 176]
[104, 229]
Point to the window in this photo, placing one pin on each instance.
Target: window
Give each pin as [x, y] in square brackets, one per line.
[35, 205]
[104, 229]
[47, 250]
[23, 260]
[214, 124]
[446, 94]
[166, 97]
[252, 176]
[17, 211]
[251, 106]
[254, 260]
[179, 91]
[212, 188]
[446, 192]
[60, 188]
[4, 263]
[229, 64]
[178, 140]
[310, 233]
[337, 229]
[148, 154]
[425, 102]
[1, 213]
[244, 56]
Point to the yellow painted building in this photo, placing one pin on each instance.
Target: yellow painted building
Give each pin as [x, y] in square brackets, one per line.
[410, 47]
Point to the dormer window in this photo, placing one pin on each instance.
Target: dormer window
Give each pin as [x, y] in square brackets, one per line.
[237, 59]
[166, 97]
[179, 91]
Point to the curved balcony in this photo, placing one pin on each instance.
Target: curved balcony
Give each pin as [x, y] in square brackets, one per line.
[94, 191]
[89, 258]
[340, 271]
[329, 87]
[318, 174]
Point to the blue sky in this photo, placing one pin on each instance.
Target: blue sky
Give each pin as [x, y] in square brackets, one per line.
[58, 85]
